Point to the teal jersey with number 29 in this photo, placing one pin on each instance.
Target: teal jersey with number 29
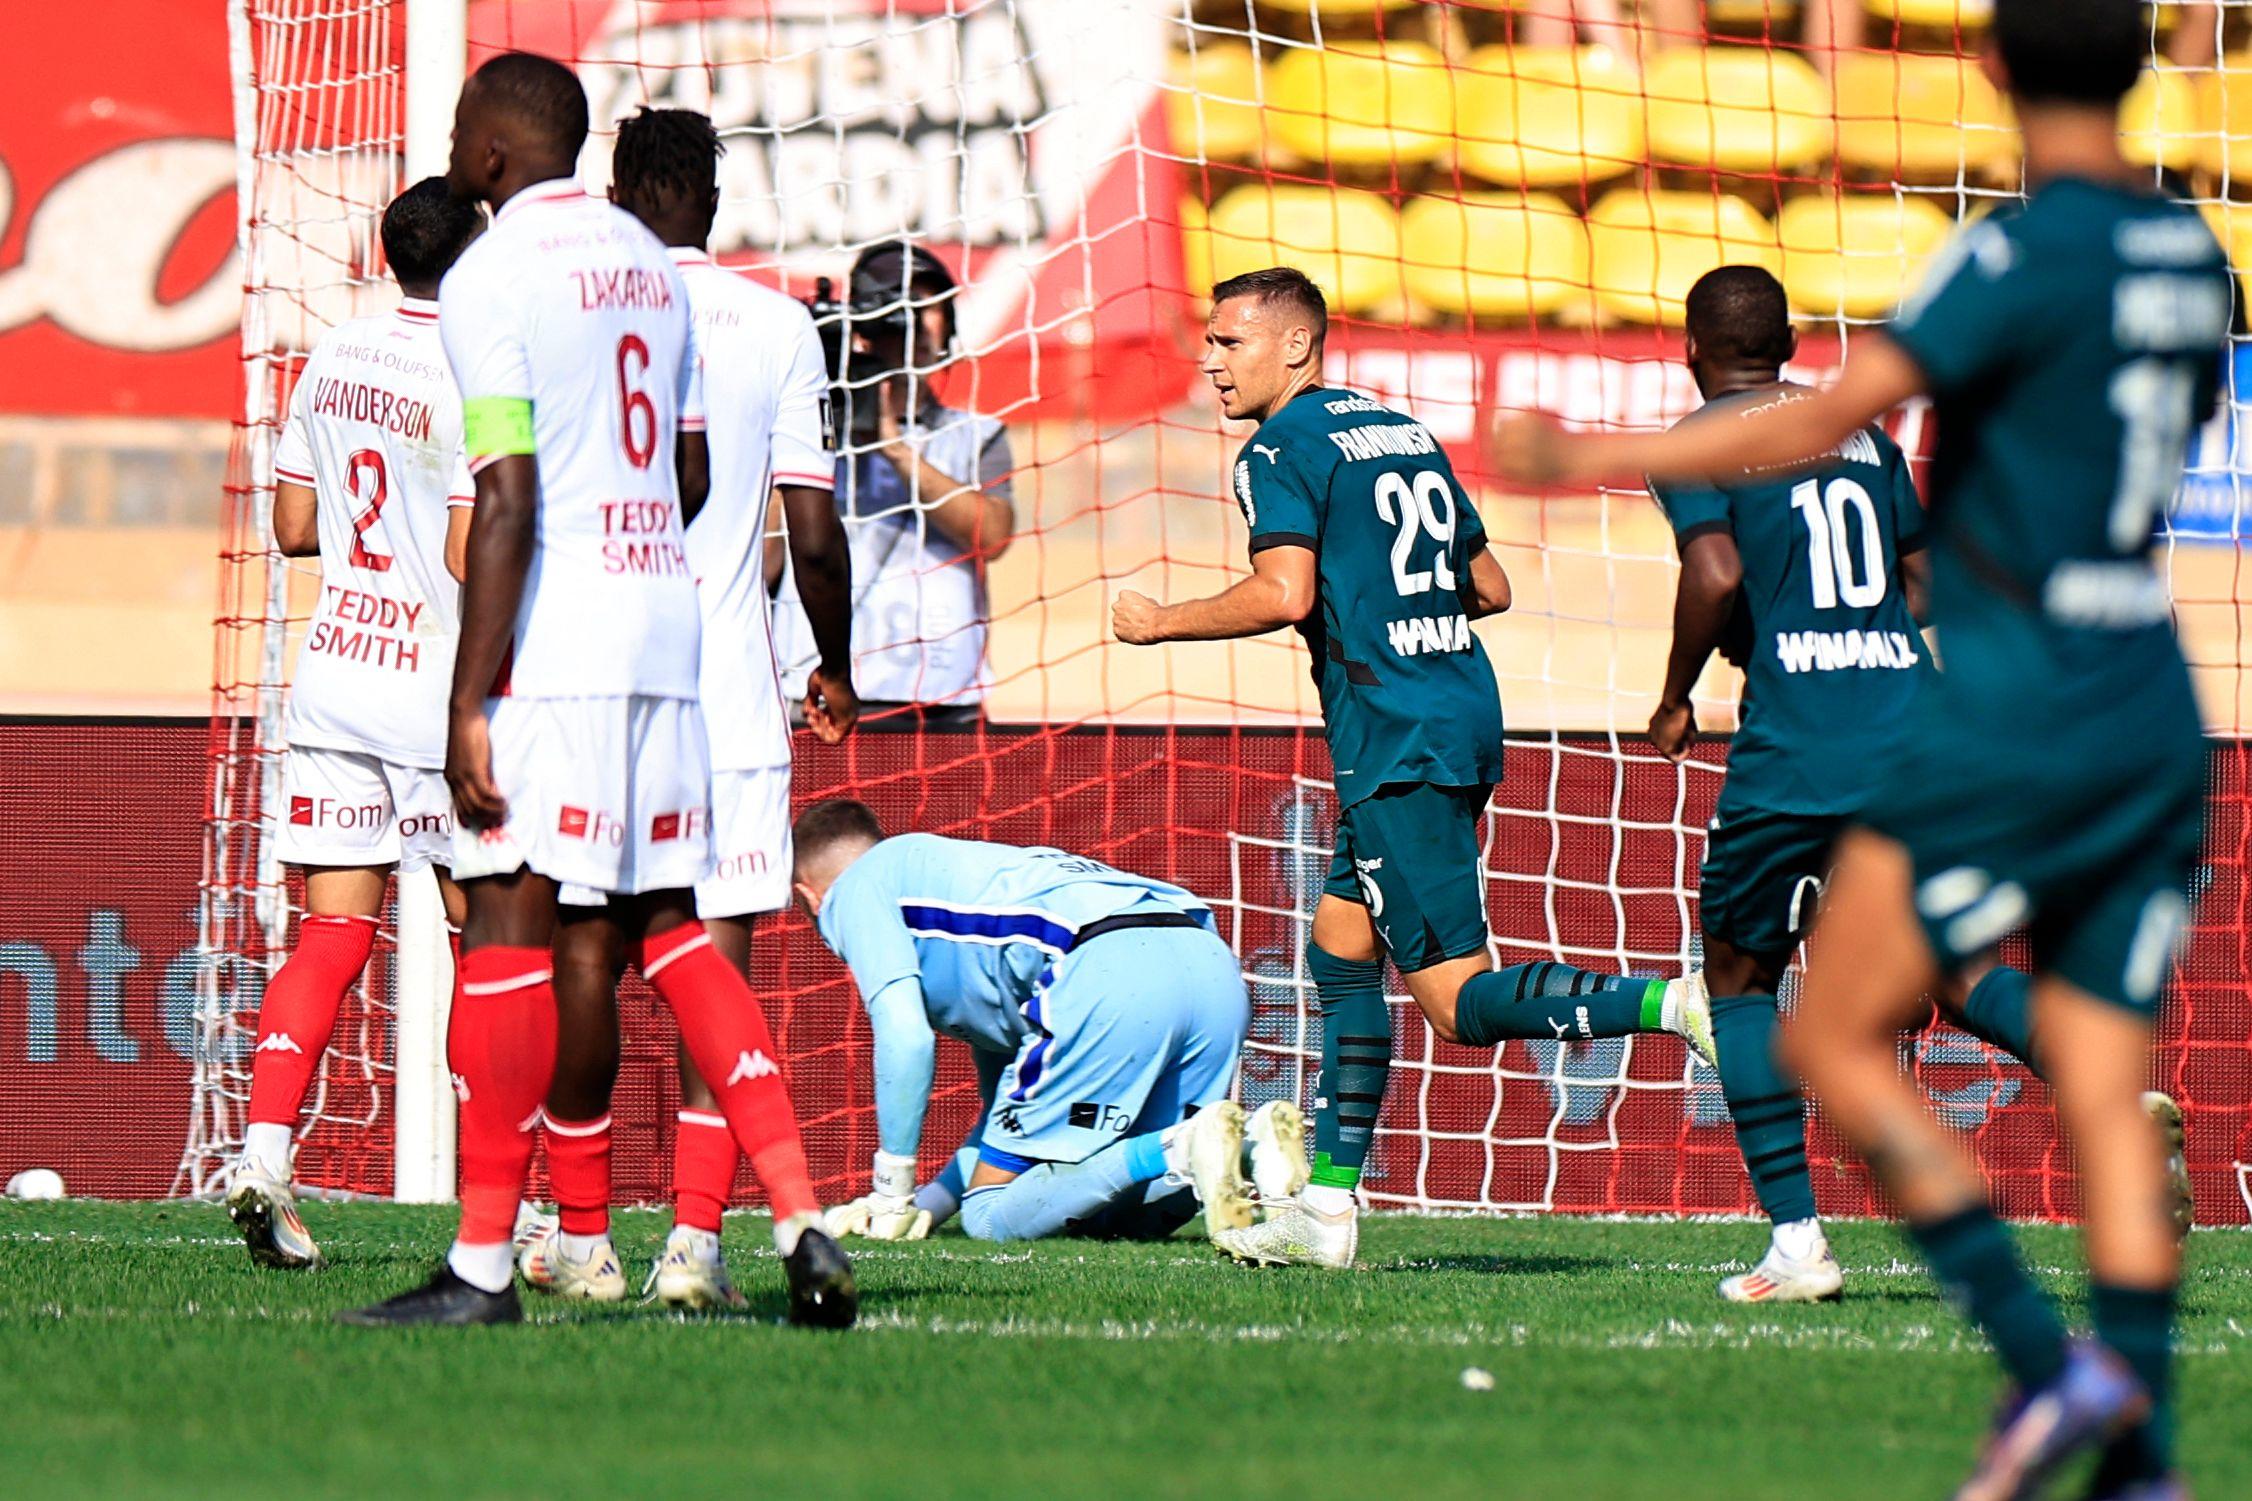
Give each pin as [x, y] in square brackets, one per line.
[1407, 693]
[1835, 657]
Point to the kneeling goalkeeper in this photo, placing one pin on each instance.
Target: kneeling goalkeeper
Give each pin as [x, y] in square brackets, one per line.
[1105, 1012]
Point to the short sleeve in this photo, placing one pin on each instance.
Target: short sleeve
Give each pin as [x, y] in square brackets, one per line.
[479, 324]
[1276, 503]
[1970, 317]
[293, 453]
[996, 463]
[1908, 514]
[461, 490]
[1470, 526]
[801, 453]
[860, 922]
[691, 392]
[1694, 510]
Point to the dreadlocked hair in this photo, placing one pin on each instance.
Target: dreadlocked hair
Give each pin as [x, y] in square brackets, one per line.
[666, 151]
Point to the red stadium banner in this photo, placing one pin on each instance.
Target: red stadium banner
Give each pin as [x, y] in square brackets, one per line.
[98, 972]
[120, 288]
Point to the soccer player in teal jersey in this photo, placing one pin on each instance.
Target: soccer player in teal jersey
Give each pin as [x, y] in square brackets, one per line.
[2054, 775]
[1362, 539]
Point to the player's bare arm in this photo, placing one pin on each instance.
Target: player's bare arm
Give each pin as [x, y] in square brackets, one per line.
[1711, 572]
[457, 541]
[499, 554]
[1533, 449]
[1487, 593]
[824, 570]
[1279, 592]
[297, 532]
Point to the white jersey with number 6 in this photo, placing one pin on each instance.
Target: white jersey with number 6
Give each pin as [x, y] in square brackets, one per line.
[765, 384]
[571, 304]
[375, 430]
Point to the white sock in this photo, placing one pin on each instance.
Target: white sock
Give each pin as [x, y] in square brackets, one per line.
[1800, 1240]
[267, 1145]
[786, 1232]
[703, 1245]
[486, 1267]
[581, 1248]
[1175, 1140]
[1330, 1199]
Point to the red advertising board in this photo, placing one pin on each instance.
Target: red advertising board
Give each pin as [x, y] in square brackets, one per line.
[98, 887]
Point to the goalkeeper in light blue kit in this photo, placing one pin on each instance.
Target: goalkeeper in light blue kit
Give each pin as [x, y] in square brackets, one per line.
[1105, 1013]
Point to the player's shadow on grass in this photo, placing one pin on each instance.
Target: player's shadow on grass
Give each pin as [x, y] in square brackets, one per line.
[1492, 1266]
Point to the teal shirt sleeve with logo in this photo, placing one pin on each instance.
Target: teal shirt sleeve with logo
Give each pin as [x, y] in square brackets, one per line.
[1407, 693]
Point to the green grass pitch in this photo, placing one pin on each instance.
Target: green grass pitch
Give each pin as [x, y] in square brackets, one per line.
[147, 1357]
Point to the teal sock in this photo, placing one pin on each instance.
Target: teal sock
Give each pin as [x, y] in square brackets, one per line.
[1145, 1157]
[1769, 1114]
[1975, 1261]
[1999, 1013]
[1552, 1002]
[2138, 1324]
[1356, 1059]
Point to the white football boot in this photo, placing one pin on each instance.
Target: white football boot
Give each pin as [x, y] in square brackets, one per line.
[597, 1279]
[531, 1223]
[1206, 1152]
[1297, 1233]
[1798, 1268]
[690, 1273]
[2168, 1116]
[1687, 1014]
[1276, 1137]
[265, 1211]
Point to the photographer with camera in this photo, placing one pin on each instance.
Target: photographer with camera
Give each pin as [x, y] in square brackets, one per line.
[924, 492]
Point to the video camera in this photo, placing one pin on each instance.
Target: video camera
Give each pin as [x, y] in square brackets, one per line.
[889, 283]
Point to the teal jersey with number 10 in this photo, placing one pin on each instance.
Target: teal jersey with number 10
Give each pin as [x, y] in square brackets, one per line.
[1407, 693]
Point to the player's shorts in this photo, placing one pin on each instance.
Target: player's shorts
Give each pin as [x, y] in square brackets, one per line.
[1133, 1029]
[750, 844]
[1763, 876]
[2088, 841]
[1409, 853]
[612, 794]
[343, 807]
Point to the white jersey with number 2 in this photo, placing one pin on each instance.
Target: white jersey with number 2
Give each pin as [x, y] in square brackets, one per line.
[765, 384]
[375, 430]
[572, 304]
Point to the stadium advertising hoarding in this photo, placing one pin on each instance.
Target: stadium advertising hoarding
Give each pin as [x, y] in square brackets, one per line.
[98, 973]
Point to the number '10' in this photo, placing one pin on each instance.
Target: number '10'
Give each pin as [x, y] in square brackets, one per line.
[1829, 551]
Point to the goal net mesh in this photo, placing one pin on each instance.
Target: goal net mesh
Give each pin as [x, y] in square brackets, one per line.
[1506, 208]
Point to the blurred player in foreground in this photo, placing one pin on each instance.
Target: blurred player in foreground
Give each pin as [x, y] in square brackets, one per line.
[764, 384]
[2054, 775]
[1362, 539]
[368, 476]
[1102, 1007]
[576, 750]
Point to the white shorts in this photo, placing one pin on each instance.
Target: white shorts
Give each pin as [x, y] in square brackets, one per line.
[750, 844]
[613, 794]
[343, 807]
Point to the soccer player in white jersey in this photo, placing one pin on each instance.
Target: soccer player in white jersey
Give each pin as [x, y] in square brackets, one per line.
[575, 749]
[369, 477]
[764, 388]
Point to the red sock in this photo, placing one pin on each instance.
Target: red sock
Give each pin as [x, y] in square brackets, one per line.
[703, 1170]
[727, 1036]
[501, 1047]
[578, 1169]
[299, 1012]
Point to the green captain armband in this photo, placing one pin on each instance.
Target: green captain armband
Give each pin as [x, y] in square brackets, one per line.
[493, 427]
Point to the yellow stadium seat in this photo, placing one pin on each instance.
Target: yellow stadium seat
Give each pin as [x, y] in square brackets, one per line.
[1358, 104]
[2232, 226]
[1214, 104]
[1346, 240]
[1547, 116]
[1336, 8]
[1494, 255]
[2158, 120]
[2225, 148]
[1759, 13]
[1920, 116]
[1738, 109]
[1963, 15]
[1857, 255]
[1647, 247]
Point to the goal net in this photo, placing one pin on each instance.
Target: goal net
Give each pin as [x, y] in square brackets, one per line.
[1506, 206]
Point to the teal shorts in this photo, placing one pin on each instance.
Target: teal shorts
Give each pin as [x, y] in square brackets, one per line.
[2088, 842]
[1409, 853]
[1763, 877]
